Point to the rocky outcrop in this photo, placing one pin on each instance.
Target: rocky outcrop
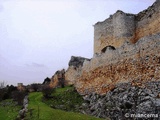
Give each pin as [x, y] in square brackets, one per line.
[125, 102]
[122, 52]
[74, 69]
[58, 79]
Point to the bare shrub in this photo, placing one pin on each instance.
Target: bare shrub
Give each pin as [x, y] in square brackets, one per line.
[2, 84]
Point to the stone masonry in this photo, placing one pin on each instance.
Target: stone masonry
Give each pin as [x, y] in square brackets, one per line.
[58, 79]
[121, 27]
[74, 69]
[126, 49]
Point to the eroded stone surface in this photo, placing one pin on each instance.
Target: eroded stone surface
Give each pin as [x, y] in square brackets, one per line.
[141, 62]
[126, 48]
[122, 27]
[74, 69]
[125, 99]
[58, 79]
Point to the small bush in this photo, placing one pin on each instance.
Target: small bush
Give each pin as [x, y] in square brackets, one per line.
[66, 98]
[35, 86]
[18, 96]
[47, 91]
[5, 93]
[2, 93]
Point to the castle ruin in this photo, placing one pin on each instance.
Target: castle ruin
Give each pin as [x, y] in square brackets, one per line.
[122, 27]
[126, 49]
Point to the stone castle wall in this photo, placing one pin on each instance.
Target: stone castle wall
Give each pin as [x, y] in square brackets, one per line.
[58, 79]
[126, 49]
[72, 74]
[122, 27]
[114, 31]
[138, 64]
[74, 69]
[148, 21]
[68, 77]
[132, 51]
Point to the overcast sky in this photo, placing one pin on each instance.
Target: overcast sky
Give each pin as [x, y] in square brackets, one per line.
[38, 37]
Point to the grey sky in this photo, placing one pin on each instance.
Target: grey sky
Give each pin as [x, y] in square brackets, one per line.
[38, 37]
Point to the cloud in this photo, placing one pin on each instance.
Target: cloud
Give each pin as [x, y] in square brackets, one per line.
[36, 65]
[1, 8]
[27, 74]
[41, 20]
[38, 37]
[3, 61]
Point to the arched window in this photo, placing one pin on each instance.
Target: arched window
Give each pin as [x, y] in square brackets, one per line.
[108, 47]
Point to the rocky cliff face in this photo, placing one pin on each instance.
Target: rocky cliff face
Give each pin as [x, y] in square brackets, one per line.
[126, 49]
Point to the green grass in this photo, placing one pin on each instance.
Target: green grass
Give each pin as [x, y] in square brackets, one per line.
[48, 113]
[8, 110]
[66, 99]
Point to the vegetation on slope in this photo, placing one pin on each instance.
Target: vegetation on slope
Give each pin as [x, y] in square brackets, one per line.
[8, 110]
[41, 111]
[65, 98]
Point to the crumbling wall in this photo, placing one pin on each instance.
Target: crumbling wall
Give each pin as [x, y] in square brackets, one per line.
[140, 64]
[114, 31]
[71, 74]
[58, 79]
[102, 31]
[148, 21]
[122, 27]
[74, 69]
[136, 57]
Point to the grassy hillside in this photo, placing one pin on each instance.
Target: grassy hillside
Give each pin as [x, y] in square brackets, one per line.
[41, 111]
[65, 98]
[8, 110]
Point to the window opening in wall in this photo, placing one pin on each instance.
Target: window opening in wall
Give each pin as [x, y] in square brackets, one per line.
[108, 47]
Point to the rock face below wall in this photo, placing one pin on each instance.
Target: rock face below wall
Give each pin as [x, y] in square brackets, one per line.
[126, 49]
[125, 102]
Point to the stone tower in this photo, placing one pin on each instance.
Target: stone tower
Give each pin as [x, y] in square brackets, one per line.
[123, 27]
